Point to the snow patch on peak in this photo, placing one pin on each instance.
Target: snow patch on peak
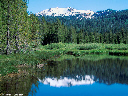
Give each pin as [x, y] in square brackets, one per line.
[65, 12]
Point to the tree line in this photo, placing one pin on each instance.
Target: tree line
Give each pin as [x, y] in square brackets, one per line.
[108, 26]
[20, 31]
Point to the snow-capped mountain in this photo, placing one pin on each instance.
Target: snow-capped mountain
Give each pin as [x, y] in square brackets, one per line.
[65, 12]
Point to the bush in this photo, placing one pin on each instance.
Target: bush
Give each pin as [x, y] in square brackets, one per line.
[87, 47]
[117, 46]
[123, 48]
[54, 46]
[109, 47]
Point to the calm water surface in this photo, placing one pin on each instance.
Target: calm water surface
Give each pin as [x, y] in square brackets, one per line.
[71, 77]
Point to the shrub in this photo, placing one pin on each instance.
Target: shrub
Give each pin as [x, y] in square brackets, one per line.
[87, 47]
[54, 46]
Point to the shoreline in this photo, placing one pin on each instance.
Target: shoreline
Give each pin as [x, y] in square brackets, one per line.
[59, 51]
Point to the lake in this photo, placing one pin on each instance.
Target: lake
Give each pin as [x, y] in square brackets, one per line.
[70, 77]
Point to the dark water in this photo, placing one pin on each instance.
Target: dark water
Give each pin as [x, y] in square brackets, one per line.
[76, 77]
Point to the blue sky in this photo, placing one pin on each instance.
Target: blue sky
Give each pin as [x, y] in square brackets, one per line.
[35, 6]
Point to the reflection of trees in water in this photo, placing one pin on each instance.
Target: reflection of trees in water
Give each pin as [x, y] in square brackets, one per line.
[20, 84]
[107, 71]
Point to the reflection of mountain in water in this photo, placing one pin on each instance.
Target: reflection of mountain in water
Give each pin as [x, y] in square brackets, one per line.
[67, 73]
[67, 82]
[106, 71]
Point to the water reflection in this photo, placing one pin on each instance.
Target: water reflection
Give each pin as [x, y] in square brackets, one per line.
[67, 82]
[67, 73]
[19, 84]
[106, 71]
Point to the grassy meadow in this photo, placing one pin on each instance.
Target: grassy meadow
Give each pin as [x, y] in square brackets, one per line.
[59, 51]
[89, 48]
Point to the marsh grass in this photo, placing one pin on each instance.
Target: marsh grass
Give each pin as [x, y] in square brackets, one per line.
[92, 57]
[116, 46]
[8, 63]
[87, 46]
[82, 49]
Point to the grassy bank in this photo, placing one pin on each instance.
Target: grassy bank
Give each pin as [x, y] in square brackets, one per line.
[9, 63]
[82, 49]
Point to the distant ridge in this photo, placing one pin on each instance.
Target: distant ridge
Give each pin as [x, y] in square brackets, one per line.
[65, 12]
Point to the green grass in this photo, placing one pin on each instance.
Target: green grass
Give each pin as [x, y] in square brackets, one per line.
[8, 63]
[92, 57]
[89, 48]
[89, 51]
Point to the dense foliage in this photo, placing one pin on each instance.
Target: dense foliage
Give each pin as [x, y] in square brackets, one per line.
[17, 29]
[108, 26]
[21, 32]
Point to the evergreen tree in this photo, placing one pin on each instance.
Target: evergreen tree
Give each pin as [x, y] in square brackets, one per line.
[119, 37]
[20, 25]
[34, 30]
[86, 37]
[101, 38]
[115, 38]
[92, 37]
[44, 31]
[106, 38]
[111, 37]
[54, 34]
[97, 37]
[73, 35]
[8, 27]
[14, 14]
[80, 37]
[126, 37]
[66, 36]
[60, 31]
